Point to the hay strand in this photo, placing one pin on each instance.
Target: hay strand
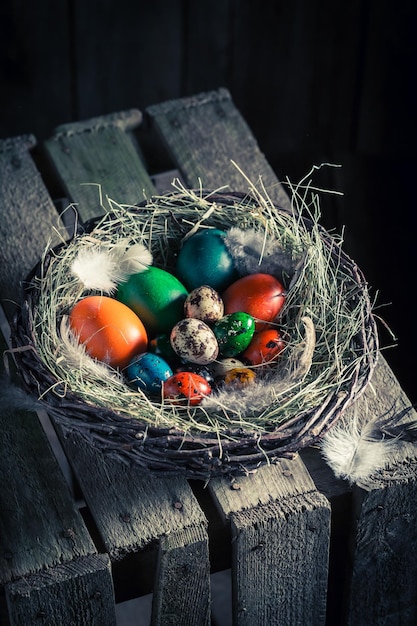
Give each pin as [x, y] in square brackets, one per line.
[330, 347]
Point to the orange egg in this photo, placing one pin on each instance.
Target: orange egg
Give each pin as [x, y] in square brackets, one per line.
[260, 295]
[264, 347]
[109, 330]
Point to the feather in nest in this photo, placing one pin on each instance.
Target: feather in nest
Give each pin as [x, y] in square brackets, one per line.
[74, 355]
[252, 254]
[357, 448]
[273, 385]
[103, 269]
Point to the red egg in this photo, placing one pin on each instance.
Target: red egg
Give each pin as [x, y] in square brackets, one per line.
[186, 388]
[109, 330]
[260, 295]
[264, 347]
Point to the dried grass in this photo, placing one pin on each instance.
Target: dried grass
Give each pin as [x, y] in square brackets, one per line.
[323, 296]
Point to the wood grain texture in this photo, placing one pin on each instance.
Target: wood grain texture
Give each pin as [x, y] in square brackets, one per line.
[183, 591]
[131, 509]
[96, 159]
[39, 524]
[384, 577]
[28, 217]
[79, 593]
[285, 479]
[280, 561]
[280, 541]
[41, 531]
[384, 580]
[204, 134]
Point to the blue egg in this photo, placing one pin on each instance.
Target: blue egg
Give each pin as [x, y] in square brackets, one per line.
[205, 259]
[147, 372]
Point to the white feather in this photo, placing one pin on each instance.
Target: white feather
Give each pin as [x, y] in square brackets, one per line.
[135, 259]
[355, 448]
[73, 354]
[271, 388]
[254, 252]
[96, 269]
[102, 269]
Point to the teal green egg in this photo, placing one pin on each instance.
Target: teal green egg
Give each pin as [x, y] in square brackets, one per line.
[156, 296]
[204, 259]
[234, 333]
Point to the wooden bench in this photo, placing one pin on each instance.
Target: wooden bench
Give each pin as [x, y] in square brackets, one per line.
[299, 546]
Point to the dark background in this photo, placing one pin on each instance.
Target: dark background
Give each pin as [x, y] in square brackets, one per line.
[316, 80]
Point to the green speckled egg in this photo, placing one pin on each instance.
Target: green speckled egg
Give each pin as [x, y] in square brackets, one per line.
[156, 296]
[234, 333]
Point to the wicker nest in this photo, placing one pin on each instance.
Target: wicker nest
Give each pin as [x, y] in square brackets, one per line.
[330, 353]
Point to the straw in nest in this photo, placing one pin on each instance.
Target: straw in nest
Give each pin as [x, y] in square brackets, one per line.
[329, 356]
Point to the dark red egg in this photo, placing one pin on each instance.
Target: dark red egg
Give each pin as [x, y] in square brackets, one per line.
[260, 295]
[186, 388]
[264, 347]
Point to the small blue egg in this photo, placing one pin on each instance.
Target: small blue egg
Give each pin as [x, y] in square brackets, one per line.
[147, 372]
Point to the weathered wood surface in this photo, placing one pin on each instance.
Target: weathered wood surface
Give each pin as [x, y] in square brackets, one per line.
[280, 540]
[136, 513]
[204, 134]
[42, 534]
[75, 593]
[28, 217]
[183, 594]
[132, 511]
[97, 158]
[384, 577]
[276, 522]
[40, 526]
[184, 136]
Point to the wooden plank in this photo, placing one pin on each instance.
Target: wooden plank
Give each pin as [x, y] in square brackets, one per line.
[180, 137]
[97, 158]
[280, 533]
[58, 595]
[27, 215]
[181, 595]
[203, 134]
[40, 527]
[132, 510]
[47, 555]
[384, 577]
[39, 524]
